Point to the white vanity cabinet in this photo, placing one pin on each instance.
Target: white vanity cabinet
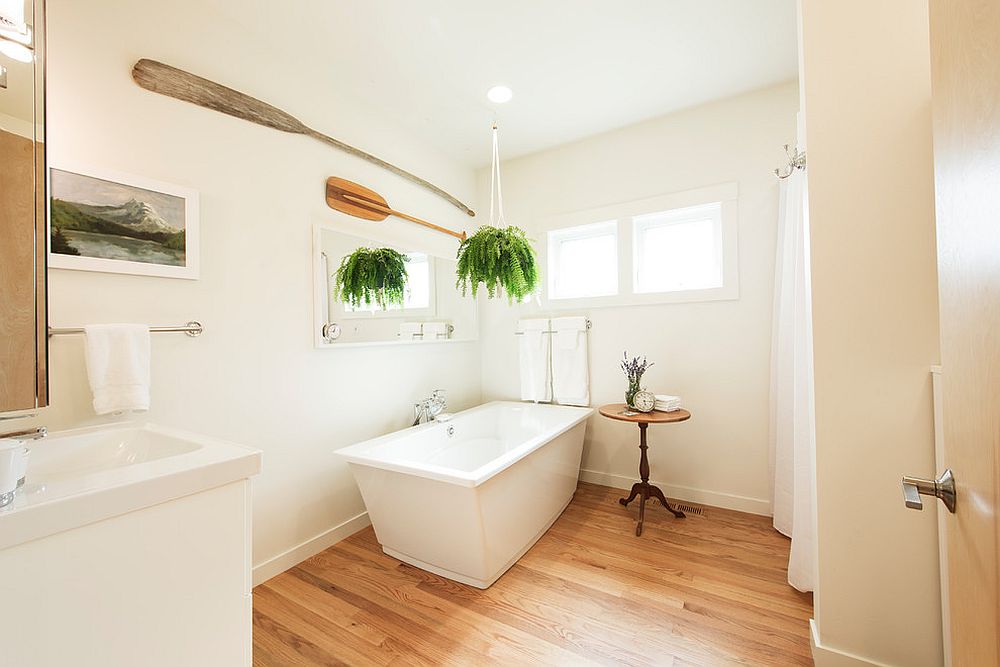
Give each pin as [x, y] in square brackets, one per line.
[157, 570]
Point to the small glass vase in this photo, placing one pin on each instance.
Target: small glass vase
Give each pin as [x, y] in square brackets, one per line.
[633, 389]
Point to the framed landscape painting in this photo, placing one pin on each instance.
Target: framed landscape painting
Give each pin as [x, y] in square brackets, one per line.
[116, 223]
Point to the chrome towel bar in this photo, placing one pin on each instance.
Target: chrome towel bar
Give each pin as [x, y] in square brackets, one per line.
[192, 329]
[550, 331]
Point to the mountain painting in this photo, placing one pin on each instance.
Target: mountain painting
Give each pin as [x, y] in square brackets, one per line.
[102, 219]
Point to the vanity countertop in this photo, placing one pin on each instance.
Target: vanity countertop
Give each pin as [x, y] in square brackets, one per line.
[82, 476]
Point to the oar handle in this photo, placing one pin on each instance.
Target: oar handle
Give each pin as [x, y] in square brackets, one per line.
[385, 209]
[461, 236]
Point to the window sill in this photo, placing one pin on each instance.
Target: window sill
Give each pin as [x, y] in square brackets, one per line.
[727, 293]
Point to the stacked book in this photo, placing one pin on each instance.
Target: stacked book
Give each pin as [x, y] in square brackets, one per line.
[666, 403]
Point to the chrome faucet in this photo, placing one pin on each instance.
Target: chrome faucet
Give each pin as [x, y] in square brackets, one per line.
[27, 434]
[429, 408]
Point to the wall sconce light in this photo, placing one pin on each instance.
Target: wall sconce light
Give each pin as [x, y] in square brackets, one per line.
[15, 35]
[15, 51]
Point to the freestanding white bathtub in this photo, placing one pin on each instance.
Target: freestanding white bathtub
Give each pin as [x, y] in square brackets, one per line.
[467, 497]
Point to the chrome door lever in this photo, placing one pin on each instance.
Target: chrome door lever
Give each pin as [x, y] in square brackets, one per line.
[943, 487]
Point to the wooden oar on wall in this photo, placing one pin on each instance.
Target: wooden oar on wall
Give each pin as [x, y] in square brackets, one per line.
[357, 200]
[181, 85]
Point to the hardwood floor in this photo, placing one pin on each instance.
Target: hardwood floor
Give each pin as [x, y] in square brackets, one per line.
[704, 590]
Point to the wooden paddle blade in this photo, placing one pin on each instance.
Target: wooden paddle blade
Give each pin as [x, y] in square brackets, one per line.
[337, 191]
[357, 200]
[181, 85]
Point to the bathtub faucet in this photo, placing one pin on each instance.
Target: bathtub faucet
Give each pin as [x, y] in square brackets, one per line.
[429, 408]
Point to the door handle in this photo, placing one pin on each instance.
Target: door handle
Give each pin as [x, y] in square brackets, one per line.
[943, 487]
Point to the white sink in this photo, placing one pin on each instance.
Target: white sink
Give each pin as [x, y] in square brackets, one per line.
[85, 475]
[65, 456]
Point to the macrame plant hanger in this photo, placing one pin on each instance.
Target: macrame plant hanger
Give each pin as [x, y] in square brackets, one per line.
[496, 191]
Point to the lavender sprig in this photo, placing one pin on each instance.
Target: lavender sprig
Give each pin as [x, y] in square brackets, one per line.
[634, 368]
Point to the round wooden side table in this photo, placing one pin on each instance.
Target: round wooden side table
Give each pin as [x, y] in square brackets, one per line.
[643, 489]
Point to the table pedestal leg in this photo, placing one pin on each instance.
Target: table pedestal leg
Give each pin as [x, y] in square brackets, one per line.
[644, 489]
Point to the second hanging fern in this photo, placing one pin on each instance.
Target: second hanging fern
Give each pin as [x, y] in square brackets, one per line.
[370, 276]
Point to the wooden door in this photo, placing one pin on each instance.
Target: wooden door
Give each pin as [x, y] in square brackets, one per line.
[965, 68]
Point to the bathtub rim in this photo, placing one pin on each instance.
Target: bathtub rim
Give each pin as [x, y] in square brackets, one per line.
[357, 454]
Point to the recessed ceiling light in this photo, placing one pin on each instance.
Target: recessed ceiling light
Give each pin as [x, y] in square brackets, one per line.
[499, 94]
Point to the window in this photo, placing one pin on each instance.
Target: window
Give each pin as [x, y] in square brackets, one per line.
[679, 247]
[418, 283]
[678, 250]
[583, 261]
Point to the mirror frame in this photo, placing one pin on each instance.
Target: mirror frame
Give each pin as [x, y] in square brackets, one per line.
[320, 281]
[40, 222]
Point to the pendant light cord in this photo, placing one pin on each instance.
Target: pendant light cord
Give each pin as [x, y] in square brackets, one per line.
[496, 191]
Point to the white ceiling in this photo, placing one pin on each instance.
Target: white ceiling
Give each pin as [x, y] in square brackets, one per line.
[577, 67]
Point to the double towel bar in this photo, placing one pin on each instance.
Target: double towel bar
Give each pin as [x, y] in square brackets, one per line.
[550, 331]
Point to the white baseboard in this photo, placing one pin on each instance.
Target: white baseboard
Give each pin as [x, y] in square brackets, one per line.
[310, 547]
[701, 496]
[825, 656]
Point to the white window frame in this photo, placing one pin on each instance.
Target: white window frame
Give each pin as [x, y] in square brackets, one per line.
[659, 219]
[580, 233]
[725, 194]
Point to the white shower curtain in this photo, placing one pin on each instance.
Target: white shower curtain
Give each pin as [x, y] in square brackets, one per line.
[793, 432]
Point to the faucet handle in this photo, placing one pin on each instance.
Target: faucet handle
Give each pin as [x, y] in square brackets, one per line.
[439, 397]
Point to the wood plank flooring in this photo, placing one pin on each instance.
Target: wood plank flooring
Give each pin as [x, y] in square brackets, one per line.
[704, 590]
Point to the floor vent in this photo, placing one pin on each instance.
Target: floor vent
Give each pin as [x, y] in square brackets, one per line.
[690, 509]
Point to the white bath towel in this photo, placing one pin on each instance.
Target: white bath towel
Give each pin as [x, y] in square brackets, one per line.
[117, 357]
[570, 361]
[533, 348]
[411, 330]
[436, 330]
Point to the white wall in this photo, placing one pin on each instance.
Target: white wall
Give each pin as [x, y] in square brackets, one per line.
[253, 377]
[714, 354]
[866, 84]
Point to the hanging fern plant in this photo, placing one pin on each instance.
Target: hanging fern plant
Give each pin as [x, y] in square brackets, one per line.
[370, 276]
[500, 259]
[497, 256]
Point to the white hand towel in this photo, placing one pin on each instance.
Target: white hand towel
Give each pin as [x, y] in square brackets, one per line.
[667, 403]
[117, 358]
[570, 363]
[533, 348]
[436, 330]
[410, 330]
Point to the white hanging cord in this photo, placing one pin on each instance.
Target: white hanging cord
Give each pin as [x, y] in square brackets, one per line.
[496, 189]
[493, 174]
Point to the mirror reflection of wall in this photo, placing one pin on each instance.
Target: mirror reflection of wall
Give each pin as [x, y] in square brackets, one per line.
[432, 309]
[23, 375]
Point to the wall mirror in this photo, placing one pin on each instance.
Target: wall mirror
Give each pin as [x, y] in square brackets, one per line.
[432, 310]
[23, 325]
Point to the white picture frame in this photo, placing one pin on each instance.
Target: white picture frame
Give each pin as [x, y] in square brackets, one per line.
[85, 201]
